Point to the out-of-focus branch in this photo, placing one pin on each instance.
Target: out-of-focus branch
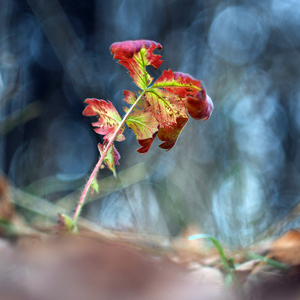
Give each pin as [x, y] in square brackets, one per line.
[64, 41]
[9, 68]
[19, 117]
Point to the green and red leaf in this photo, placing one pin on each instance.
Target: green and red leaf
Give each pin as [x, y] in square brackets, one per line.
[135, 56]
[169, 111]
[170, 96]
[108, 118]
[178, 83]
[143, 123]
[166, 106]
[130, 97]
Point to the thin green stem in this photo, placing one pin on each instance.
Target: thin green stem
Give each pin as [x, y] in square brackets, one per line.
[229, 269]
[101, 159]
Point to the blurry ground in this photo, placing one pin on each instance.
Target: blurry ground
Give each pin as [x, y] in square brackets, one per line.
[233, 175]
[43, 263]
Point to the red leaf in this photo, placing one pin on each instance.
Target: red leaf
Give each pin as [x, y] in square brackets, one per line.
[168, 97]
[169, 110]
[146, 144]
[165, 111]
[135, 56]
[199, 106]
[166, 106]
[108, 118]
[170, 131]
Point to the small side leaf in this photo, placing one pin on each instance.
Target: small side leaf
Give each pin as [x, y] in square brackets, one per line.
[130, 97]
[65, 224]
[112, 157]
[95, 186]
[108, 118]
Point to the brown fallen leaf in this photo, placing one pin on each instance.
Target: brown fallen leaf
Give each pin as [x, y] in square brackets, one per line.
[268, 281]
[286, 248]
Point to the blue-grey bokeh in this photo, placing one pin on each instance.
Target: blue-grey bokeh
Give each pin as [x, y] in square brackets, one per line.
[233, 175]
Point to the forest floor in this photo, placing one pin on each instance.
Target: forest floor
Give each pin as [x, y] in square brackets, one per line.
[43, 263]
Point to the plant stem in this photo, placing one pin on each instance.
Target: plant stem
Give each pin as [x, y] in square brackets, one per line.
[101, 159]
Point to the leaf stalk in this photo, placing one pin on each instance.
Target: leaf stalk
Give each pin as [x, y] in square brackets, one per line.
[101, 159]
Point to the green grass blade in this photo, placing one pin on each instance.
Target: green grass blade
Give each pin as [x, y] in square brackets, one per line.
[217, 245]
[269, 261]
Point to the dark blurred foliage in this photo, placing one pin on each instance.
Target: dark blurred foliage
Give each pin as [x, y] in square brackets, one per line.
[233, 175]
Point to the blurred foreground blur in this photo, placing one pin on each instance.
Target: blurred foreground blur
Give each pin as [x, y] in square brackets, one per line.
[85, 269]
[233, 175]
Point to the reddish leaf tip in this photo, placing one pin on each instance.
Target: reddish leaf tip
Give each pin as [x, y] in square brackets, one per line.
[135, 56]
[199, 106]
[146, 144]
[129, 48]
[170, 132]
[130, 97]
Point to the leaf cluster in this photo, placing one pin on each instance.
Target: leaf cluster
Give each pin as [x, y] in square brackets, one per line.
[159, 109]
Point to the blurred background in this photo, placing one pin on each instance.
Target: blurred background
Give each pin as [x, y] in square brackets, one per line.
[233, 175]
